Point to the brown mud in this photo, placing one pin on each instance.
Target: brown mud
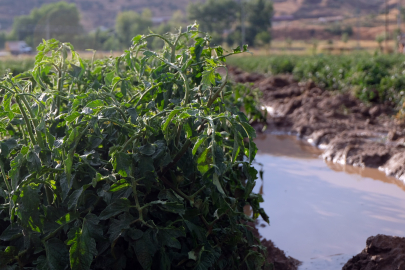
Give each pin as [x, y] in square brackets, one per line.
[381, 253]
[275, 255]
[348, 131]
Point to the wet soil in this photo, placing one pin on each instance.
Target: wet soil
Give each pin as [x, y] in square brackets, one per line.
[381, 253]
[321, 213]
[275, 255]
[348, 131]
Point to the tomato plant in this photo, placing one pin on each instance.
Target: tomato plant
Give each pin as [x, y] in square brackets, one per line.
[133, 162]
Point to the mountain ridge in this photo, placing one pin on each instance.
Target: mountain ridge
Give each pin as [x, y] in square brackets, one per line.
[96, 13]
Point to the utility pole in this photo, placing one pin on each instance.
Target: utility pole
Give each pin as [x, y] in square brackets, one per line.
[47, 28]
[358, 24]
[386, 25]
[243, 28]
[399, 17]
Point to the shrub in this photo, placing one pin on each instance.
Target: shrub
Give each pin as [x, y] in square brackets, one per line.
[134, 162]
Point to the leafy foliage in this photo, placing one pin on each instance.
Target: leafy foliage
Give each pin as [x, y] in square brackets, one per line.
[128, 162]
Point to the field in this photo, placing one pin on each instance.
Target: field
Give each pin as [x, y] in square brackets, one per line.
[371, 77]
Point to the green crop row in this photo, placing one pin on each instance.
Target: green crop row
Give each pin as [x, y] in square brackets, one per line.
[141, 161]
[15, 66]
[372, 78]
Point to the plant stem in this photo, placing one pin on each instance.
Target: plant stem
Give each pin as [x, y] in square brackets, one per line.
[173, 59]
[122, 113]
[215, 96]
[5, 177]
[48, 192]
[169, 184]
[159, 36]
[144, 93]
[187, 95]
[26, 120]
[138, 206]
[183, 150]
[35, 122]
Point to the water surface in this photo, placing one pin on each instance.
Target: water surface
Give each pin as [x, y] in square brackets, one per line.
[322, 213]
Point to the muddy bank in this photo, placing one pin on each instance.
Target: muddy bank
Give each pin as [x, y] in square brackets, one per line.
[381, 253]
[348, 131]
[275, 255]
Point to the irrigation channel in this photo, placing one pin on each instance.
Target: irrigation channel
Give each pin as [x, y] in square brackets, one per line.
[322, 213]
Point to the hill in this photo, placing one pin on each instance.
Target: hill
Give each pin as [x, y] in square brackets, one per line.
[95, 13]
[324, 8]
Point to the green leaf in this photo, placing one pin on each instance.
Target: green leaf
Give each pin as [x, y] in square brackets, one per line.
[134, 115]
[220, 165]
[122, 184]
[92, 228]
[74, 199]
[109, 78]
[218, 184]
[41, 126]
[82, 251]
[73, 136]
[12, 231]
[95, 103]
[65, 186]
[169, 118]
[33, 162]
[145, 248]
[195, 230]
[208, 77]
[118, 226]
[236, 148]
[168, 237]
[57, 254]
[7, 101]
[117, 207]
[124, 87]
[14, 172]
[135, 234]
[136, 39]
[72, 117]
[249, 130]
[8, 255]
[29, 206]
[208, 258]
[147, 149]
[122, 164]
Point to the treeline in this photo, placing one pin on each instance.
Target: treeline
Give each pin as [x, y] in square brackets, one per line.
[227, 21]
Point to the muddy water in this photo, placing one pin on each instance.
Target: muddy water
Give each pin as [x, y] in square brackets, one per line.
[322, 213]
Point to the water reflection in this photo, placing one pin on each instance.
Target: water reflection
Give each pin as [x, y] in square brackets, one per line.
[285, 145]
[366, 173]
[323, 214]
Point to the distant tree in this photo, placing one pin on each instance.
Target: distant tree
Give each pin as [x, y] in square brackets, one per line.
[56, 20]
[214, 15]
[315, 44]
[345, 37]
[3, 37]
[288, 42]
[259, 14]
[263, 38]
[130, 24]
[379, 39]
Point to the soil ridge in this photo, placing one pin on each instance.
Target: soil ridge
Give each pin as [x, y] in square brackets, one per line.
[348, 130]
